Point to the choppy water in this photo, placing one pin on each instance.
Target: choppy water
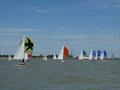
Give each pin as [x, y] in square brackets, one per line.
[55, 75]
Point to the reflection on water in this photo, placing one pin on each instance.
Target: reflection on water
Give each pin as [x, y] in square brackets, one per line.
[54, 75]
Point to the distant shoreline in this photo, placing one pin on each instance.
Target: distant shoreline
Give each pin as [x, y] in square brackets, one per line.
[41, 57]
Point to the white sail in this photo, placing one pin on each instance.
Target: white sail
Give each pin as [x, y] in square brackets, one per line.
[9, 58]
[60, 56]
[103, 55]
[91, 55]
[20, 52]
[96, 57]
[54, 56]
[81, 56]
[45, 58]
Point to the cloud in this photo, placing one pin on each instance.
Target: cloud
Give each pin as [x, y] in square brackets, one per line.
[87, 38]
[40, 11]
[110, 3]
[63, 29]
[101, 4]
[15, 30]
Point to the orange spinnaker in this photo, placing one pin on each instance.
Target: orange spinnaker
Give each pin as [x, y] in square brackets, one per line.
[66, 51]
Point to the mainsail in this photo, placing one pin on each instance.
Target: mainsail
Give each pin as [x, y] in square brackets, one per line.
[9, 57]
[25, 49]
[54, 56]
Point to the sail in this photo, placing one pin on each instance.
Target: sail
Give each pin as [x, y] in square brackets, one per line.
[45, 58]
[9, 57]
[83, 55]
[28, 47]
[60, 56]
[98, 54]
[54, 56]
[63, 53]
[25, 49]
[103, 55]
[20, 51]
[92, 55]
[66, 52]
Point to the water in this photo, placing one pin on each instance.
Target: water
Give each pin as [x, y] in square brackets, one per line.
[55, 75]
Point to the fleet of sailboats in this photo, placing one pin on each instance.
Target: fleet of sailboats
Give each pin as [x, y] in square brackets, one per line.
[97, 55]
[25, 49]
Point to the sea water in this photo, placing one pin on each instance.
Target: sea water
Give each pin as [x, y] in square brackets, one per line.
[55, 75]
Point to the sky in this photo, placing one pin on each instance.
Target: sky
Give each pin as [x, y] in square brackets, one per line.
[78, 24]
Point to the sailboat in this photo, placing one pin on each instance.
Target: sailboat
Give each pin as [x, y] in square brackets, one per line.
[24, 51]
[54, 56]
[83, 55]
[98, 54]
[92, 55]
[45, 58]
[63, 53]
[9, 57]
[103, 55]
